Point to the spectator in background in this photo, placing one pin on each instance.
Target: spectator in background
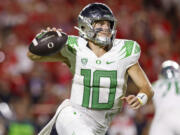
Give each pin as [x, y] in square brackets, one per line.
[166, 100]
[21, 123]
[123, 123]
[2, 126]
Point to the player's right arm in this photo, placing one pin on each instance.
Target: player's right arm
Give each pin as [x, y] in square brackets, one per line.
[53, 58]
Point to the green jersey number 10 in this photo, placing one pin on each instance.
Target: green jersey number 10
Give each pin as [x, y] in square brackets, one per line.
[95, 86]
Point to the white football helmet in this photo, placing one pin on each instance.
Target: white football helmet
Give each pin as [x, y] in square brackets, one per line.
[170, 69]
[96, 12]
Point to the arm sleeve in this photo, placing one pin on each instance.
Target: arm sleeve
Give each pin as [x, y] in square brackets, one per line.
[70, 47]
[133, 53]
[69, 51]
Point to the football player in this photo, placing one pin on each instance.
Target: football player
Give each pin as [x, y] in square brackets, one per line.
[166, 101]
[100, 65]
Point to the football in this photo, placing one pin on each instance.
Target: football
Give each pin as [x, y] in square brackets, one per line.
[48, 43]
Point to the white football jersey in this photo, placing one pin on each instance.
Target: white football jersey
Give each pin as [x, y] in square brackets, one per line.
[167, 109]
[167, 94]
[99, 82]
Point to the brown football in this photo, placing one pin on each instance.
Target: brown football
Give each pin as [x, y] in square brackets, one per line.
[48, 43]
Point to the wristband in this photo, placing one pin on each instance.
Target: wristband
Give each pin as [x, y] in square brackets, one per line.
[143, 98]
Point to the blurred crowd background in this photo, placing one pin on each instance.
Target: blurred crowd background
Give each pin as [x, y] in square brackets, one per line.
[31, 91]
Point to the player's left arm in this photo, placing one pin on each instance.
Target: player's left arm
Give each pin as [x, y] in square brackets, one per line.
[145, 89]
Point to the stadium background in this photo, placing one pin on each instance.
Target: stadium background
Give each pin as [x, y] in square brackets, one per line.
[32, 91]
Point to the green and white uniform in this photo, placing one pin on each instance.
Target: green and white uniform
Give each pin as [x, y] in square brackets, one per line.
[167, 108]
[98, 82]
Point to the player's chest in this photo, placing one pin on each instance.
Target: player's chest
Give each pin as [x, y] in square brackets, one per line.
[90, 60]
[105, 68]
[108, 61]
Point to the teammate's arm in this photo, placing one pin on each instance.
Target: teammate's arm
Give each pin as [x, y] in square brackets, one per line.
[145, 89]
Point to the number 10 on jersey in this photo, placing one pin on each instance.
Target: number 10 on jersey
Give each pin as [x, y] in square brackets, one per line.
[95, 86]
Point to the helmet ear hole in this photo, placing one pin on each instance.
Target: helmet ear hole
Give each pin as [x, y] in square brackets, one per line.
[82, 27]
[111, 25]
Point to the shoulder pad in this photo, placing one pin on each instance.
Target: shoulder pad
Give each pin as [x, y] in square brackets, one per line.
[130, 48]
[72, 43]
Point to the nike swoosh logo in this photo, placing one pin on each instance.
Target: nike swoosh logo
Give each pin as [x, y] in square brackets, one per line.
[142, 97]
[110, 62]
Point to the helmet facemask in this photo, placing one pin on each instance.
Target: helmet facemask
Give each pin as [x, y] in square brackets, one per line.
[86, 28]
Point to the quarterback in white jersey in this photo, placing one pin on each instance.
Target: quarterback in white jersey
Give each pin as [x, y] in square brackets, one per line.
[100, 65]
[166, 101]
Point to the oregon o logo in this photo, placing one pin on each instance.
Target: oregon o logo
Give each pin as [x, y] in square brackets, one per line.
[50, 45]
[98, 62]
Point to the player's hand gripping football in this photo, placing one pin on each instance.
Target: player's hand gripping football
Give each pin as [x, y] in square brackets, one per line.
[132, 101]
[50, 29]
[48, 42]
[33, 56]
